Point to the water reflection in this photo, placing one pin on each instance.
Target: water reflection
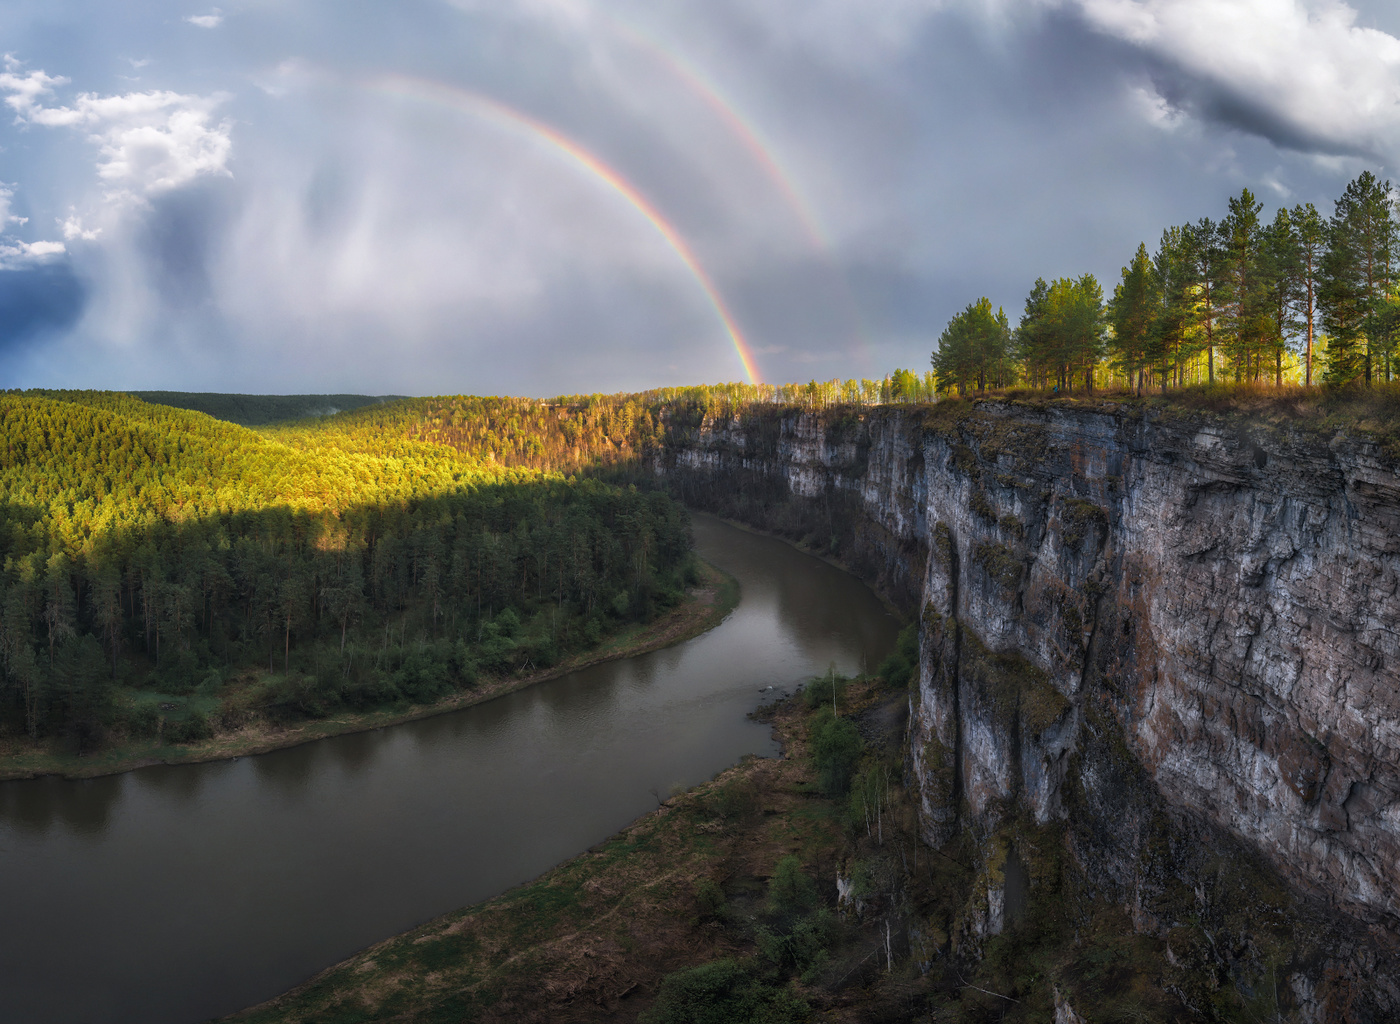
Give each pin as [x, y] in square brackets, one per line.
[202, 889]
[290, 770]
[82, 807]
[175, 784]
[354, 752]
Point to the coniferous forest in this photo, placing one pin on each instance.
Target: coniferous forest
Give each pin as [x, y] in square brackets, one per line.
[151, 555]
[1242, 299]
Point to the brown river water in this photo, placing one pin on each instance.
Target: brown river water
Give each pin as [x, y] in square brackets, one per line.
[170, 895]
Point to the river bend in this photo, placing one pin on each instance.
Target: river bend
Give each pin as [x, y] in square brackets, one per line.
[169, 895]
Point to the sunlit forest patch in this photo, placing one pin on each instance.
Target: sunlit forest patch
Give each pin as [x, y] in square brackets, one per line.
[167, 575]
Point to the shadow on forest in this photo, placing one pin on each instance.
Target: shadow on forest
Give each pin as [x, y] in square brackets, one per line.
[175, 629]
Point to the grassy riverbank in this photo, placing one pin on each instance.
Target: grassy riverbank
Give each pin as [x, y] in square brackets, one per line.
[785, 891]
[704, 607]
[737, 871]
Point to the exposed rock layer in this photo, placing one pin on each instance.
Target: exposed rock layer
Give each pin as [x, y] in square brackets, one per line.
[1176, 635]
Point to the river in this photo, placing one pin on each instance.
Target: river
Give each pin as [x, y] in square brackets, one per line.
[169, 895]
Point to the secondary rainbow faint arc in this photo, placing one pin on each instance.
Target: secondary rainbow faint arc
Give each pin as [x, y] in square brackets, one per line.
[752, 140]
[738, 125]
[466, 101]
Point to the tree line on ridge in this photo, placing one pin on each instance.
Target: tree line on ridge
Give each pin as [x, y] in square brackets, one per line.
[1241, 299]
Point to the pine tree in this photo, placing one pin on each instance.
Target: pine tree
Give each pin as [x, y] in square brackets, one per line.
[1132, 313]
[1357, 279]
[1244, 319]
[974, 350]
[1175, 267]
[1033, 341]
[1214, 285]
[1311, 241]
[1281, 262]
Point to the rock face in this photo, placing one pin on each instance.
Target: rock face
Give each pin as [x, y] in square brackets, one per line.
[1177, 636]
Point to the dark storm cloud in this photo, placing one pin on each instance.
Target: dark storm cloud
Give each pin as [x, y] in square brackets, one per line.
[1238, 108]
[37, 303]
[1312, 78]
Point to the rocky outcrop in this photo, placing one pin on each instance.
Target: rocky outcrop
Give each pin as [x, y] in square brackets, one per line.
[1177, 636]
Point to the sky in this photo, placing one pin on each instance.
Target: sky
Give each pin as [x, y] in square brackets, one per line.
[547, 197]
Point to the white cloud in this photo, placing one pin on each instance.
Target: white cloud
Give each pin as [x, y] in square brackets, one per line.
[73, 229]
[15, 255]
[164, 146]
[1154, 108]
[213, 19]
[25, 90]
[150, 141]
[1299, 71]
[6, 217]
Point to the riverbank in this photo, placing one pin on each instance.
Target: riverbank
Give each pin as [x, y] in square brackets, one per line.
[737, 870]
[705, 606]
[775, 893]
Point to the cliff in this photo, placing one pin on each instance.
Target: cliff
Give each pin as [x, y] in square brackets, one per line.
[1160, 644]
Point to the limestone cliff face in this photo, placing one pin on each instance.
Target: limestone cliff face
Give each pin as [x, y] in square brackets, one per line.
[1178, 636]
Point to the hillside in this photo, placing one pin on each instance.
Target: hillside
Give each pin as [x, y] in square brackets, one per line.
[258, 410]
[167, 575]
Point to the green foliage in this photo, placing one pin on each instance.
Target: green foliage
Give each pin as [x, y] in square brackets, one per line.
[709, 900]
[1131, 313]
[825, 691]
[1014, 687]
[1001, 562]
[836, 750]
[790, 891]
[445, 951]
[156, 548]
[1357, 282]
[736, 800]
[1078, 517]
[901, 666]
[1061, 334]
[1241, 298]
[974, 350]
[722, 992]
[258, 410]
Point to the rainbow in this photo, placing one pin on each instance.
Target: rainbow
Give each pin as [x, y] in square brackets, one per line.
[468, 102]
[751, 139]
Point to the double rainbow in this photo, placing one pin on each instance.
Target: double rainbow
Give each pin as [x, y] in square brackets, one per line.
[474, 104]
[761, 151]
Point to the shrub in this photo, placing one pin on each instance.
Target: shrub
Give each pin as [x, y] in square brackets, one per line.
[901, 667]
[734, 801]
[825, 690]
[722, 992]
[709, 900]
[836, 749]
[296, 696]
[143, 719]
[423, 678]
[188, 730]
[790, 891]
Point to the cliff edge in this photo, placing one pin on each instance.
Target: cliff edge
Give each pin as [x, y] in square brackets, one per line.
[1161, 643]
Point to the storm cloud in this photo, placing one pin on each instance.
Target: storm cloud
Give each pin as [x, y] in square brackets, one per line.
[565, 195]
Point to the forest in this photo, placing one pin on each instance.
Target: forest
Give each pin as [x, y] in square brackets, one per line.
[260, 410]
[1303, 296]
[152, 556]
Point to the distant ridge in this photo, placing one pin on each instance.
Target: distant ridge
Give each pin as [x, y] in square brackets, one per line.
[260, 410]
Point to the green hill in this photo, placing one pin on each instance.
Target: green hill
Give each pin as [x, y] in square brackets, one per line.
[153, 558]
[258, 410]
